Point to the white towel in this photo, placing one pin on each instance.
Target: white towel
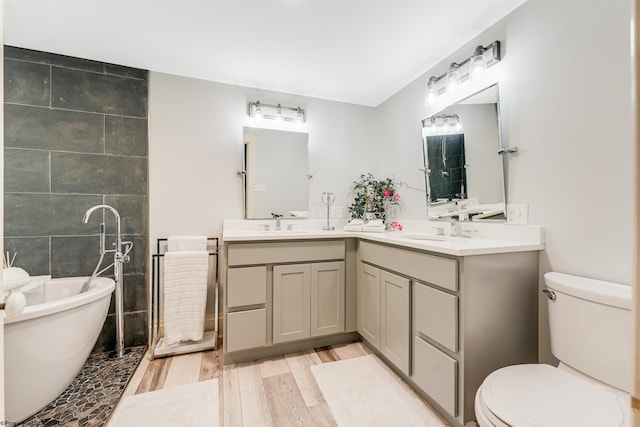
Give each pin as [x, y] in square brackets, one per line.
[374, 228]
[14, 278]
[185, 295]
[187, 243]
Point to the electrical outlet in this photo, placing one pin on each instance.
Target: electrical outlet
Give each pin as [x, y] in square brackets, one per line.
[518, 214]
[336, 212]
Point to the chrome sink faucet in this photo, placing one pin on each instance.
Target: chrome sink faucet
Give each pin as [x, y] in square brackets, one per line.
[455, 227]
[277, 218]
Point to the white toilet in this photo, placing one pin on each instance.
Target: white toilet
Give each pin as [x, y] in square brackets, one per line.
[590, 324]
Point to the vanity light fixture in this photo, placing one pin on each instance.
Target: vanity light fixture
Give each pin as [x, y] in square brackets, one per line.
[441, 125]
[471, 68]
[277, 112]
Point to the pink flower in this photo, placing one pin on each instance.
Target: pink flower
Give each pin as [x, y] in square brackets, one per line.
[395, 225]
[387, 193]
[396, 196]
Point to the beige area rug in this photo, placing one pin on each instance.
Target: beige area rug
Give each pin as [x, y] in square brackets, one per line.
[190, 405]
[363, 391]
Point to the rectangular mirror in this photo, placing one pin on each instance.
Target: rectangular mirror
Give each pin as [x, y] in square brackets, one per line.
[276, 179]
[463, 171]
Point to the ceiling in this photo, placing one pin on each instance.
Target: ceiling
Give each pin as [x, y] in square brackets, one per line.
[355, 51]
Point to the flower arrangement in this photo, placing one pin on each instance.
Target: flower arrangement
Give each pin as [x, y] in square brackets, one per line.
[373, 197]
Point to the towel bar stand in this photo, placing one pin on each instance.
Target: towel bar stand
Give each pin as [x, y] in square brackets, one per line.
[156, 341]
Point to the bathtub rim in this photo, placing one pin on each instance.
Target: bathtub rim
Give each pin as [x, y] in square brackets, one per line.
[100, 287]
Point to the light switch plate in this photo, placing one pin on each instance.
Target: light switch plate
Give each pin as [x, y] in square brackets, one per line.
[336, 212]
[518, 214]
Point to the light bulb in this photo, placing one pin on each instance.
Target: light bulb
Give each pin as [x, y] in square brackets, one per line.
[431, 95]
[453, 78]
[257, 114]
[299, 116]
[279, 114]
[478, 65]
[458, 126]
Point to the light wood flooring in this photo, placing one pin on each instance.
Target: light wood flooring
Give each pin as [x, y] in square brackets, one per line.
[279, 391]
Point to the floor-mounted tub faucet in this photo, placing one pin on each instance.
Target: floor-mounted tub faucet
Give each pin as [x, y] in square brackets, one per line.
[120, 256]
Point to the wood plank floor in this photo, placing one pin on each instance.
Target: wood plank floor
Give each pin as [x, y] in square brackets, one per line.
[279, 391]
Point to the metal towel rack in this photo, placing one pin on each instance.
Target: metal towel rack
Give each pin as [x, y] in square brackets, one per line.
[157, 345]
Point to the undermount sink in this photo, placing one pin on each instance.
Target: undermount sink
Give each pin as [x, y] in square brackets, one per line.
[432, 237]
[283, 232]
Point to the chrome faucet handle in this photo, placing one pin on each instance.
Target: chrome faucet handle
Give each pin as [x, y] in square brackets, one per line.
[266, 227]
[439, 231]
[276, 216]
[290, 226]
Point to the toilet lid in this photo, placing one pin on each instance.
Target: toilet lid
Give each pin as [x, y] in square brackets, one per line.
[541, 395]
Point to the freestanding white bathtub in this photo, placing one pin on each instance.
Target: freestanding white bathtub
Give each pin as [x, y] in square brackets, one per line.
[47, 345]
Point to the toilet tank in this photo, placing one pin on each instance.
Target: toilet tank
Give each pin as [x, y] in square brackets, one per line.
[590, 323]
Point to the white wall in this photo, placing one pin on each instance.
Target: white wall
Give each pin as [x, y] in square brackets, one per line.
[565, 93]
[196, 147]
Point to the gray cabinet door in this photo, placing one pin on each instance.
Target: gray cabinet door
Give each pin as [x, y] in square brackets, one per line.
[291, 302]
[369, 304]
[327, 298]
[395, 332]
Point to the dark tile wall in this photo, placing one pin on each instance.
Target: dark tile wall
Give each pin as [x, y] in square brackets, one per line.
[76, 136]
[447, 179]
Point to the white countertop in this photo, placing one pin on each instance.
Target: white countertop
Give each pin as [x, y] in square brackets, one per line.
[487, 238]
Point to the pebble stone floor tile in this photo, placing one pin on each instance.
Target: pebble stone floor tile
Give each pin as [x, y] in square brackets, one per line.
[92, 395]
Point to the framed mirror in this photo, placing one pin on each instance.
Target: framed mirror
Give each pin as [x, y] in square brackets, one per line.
[464, 173]
[276, 173]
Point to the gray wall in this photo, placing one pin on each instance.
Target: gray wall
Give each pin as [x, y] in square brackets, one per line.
[76, 136]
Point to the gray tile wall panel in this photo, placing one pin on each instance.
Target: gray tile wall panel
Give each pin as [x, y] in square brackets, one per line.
[133, 210]
[26, 171]
[26, 83]
[32, 253]
[119, 70]
[75, 255]
[126, 136]
[27, 214]
[52, 59]
[100, 93]
[47, 129]
[98, 174]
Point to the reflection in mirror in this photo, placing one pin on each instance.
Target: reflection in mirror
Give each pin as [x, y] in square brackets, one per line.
[463, 170]
[276, 165]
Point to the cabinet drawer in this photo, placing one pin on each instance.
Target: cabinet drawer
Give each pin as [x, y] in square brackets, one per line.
[246, 286]
[428, 268]
[435, 314]
[436, 374]
[246, 329]
[284, 252]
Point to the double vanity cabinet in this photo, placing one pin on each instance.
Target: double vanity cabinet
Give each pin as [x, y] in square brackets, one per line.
[442, 318]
